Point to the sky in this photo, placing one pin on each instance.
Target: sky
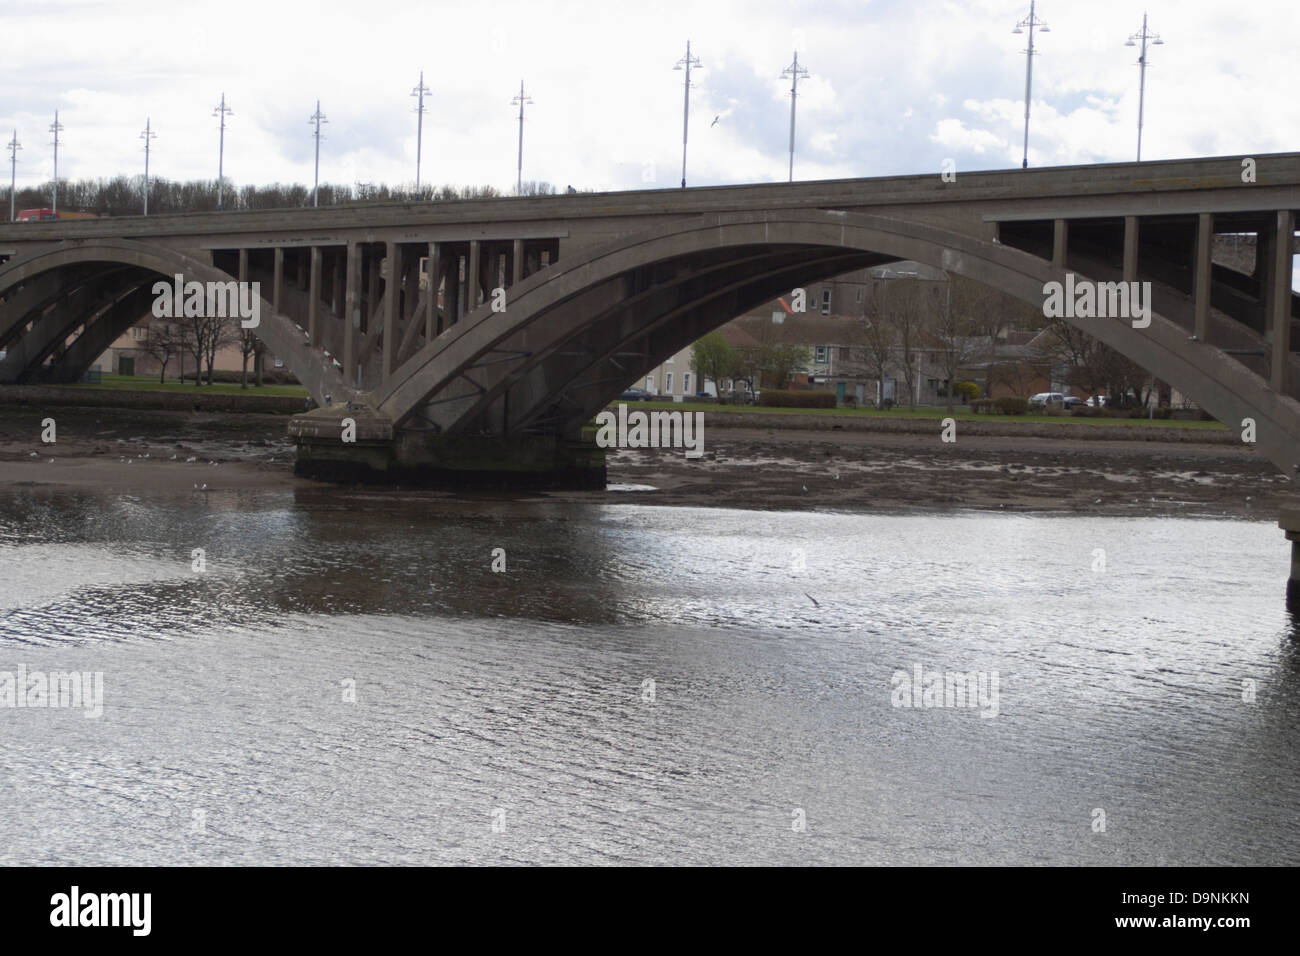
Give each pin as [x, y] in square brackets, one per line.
[893, 87]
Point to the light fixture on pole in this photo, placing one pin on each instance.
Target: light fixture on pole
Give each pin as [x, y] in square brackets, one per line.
[13, 146]
[147, 135]
[794, 71]
[317, 118]
[1030, 23]
[418, 93]
[520, 101]
[223, 111]
[1144, 38]
[56, 128]
[686, 63]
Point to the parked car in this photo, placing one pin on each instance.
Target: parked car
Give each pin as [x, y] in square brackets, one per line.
[636, 395]
[1047, 398]
[1073, 401]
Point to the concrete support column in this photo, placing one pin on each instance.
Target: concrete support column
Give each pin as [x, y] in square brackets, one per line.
[351, 314]
[516, 261]
[1060, 239]
[1289, 521]
[391, 294]
[1202, 270]
[1130, 248]
[1278, 300]
[410, 283]
[336, 285]
[453, 289]
[277, 279]
[372, 290]
[472, 287]
[431, 300]
[313, 297]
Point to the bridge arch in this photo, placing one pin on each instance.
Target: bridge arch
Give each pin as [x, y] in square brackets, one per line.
[123, 268]
[498, 370]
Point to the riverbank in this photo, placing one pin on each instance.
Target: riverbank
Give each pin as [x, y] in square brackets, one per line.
[749, 462]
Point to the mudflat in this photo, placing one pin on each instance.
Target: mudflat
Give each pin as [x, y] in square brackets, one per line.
[788, 467]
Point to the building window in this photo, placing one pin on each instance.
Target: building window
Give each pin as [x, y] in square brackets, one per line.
[139, 333]
[826, 301]
[686, 383]
[859, 295]
[649, 383]
[820, 356]
[668, 382]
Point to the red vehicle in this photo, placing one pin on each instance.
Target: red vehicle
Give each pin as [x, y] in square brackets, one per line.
[34, 215]
[44, 215]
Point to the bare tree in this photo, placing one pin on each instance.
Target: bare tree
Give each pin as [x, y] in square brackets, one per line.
[908, 305]
[989, 314]
[951, 328]
[247, 346]
[162, 343]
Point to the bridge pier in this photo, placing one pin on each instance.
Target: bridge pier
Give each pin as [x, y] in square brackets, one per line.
[369, 450]
[1289, 521]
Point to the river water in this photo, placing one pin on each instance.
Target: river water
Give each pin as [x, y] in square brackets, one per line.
[346, 679]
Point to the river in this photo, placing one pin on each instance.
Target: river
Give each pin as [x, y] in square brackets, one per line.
[318, 677]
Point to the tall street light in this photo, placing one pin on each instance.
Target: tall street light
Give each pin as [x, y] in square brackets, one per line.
[56, 128]
[13, 146]
[794, 71]
[1144, 38]
[223, 111]
[520, 101]
[317, 118]
[686, 63]
[147, 135]
[418, 93]
[1030, 23]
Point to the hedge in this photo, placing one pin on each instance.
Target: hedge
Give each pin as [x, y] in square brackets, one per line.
[1011, 405]
[802, 398]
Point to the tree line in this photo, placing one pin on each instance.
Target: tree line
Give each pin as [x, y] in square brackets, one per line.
[124, 195]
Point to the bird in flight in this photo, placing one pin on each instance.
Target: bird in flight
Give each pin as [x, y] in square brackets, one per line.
[715, 121]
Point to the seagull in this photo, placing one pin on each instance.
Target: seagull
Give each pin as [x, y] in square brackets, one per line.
[805, 489]
[32, 455]
[190, 459]
[715, 121]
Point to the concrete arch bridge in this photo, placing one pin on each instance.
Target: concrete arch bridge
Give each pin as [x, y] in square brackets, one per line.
[550, 306]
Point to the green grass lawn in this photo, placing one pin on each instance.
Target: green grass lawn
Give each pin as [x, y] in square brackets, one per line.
[961, 414]
[147, 383]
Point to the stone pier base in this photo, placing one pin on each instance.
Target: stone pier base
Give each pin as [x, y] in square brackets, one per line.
[1289, 521]
[369, 450]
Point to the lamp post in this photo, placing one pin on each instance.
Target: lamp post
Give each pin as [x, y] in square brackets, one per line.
[56, 128]
[1144, 37]
[418, 93]
[686, 63]
[1030, 23]
[147, 135]
[520, 101]
[794, 71]
[223, 111]
[317, 118]
[13, 146]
